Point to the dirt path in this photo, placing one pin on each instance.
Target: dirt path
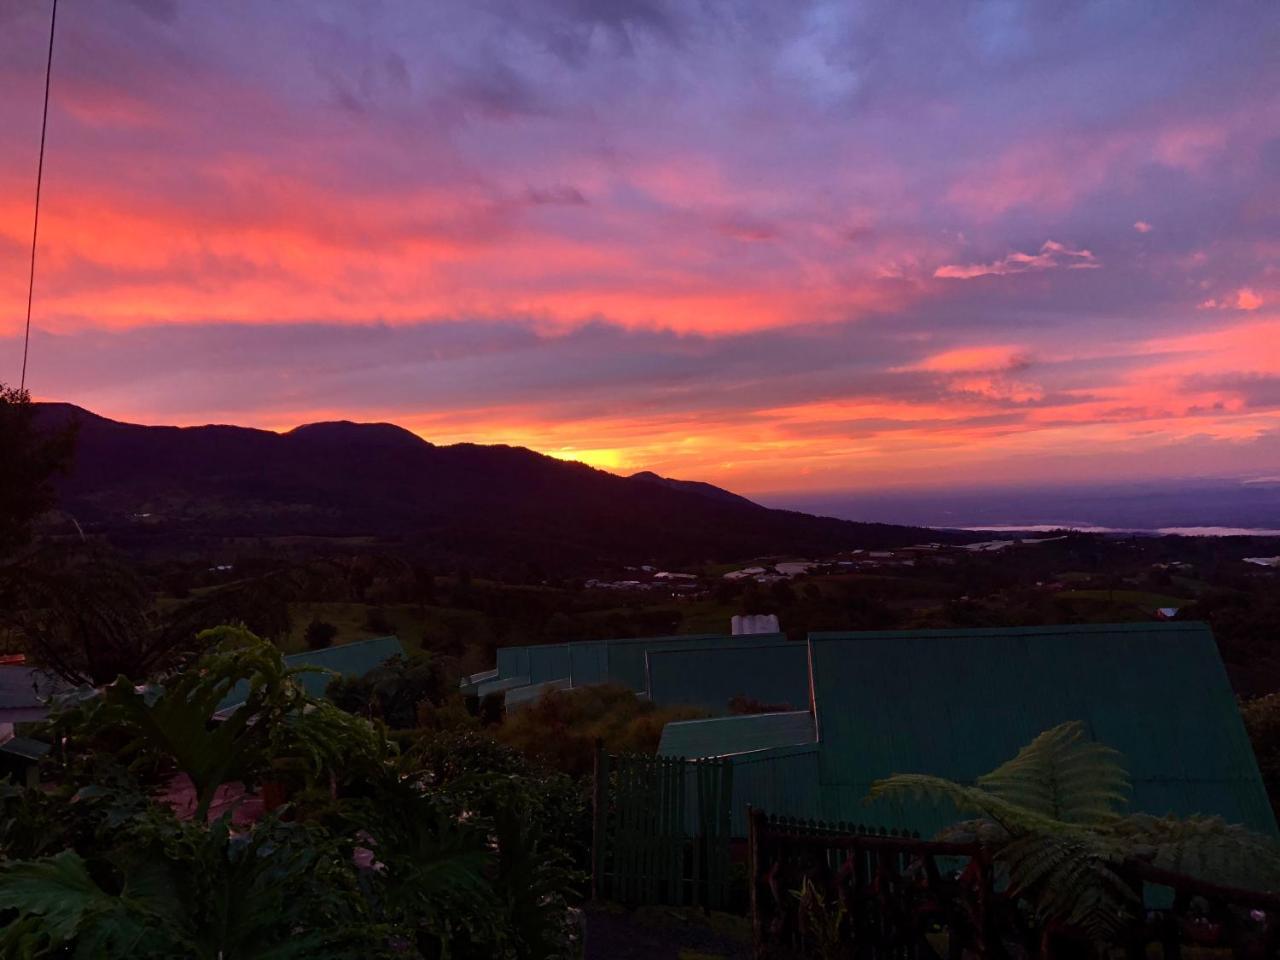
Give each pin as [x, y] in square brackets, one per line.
[664, 933]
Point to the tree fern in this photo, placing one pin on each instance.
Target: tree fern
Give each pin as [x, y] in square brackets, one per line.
[1051, 817]
[1204, 847]
[1064, 776]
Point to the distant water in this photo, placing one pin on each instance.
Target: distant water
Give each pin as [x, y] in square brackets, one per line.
[1205, 508]
[1157, 532]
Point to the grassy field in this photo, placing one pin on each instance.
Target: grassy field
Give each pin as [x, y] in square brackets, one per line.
[1137, 598]
[407, 621]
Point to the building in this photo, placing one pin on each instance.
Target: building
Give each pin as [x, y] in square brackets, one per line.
[525, 672]
[957, 703]
[708, 677]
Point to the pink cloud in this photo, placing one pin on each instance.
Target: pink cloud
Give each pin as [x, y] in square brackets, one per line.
[1246, 298]
[1143, 227]
[973, 360]
[1052, 255]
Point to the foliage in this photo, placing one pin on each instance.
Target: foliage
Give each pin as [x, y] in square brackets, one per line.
[561, 728]
[83, 615]
[1052, 816]
[743, 705]
[1262, 720]
[174, 728]
[458, 847]
[32, 458]
[486, 776]
[394, 690]
[376, 621]
[260, 603]
[156, 887]
[319, 634]
[822, 923]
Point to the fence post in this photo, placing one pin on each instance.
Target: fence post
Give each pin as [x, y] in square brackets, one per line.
[599, 814]
[755, 838]
[724, 828]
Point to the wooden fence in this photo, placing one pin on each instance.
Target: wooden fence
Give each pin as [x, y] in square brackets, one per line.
[661, 830]
[821, 890]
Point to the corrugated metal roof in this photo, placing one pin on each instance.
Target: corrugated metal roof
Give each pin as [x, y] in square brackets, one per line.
[626, 658]
[599, 661]
[588, 662]
[348, 659]
[957, 703]
[722, 736]
[548, 662]
[513, 661]
[709, 676]
[501, 685]
[523, 696]
[25, 748]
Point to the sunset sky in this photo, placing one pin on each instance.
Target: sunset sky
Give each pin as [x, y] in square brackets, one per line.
[773, 245]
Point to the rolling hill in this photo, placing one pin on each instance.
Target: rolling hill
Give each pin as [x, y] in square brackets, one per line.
[143, 485]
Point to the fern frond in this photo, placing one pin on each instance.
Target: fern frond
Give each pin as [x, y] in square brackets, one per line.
[1204, 847]
[1070, 879]
[1063, 775]
[1013, 818]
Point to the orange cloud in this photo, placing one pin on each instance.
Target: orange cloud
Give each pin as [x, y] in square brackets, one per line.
[1246, 298]
[971, 359]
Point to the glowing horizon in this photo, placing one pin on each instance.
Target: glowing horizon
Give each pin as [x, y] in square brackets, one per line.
[800, 247]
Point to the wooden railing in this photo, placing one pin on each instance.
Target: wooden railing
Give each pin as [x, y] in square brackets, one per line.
[816, 889]
[837, 890]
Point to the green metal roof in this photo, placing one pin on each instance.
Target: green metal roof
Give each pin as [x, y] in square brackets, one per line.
[624, 659]
[513, 662]
[588, 662]
[708, 677]
[348, 659]
[549, 662]
[523, 696]
[627, 659]
[604, 661]
[500, 685]
[957, 703]
[722, 736]
[25, 748]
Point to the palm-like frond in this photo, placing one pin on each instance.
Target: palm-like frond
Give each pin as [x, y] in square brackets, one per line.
[323, 737]
[1058, 780]
[1007, 814]
[1204, 847]
[1050, 816]
[1064, 776]
[1071, 879]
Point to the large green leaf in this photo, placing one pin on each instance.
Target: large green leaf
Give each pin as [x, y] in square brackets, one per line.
[59, 903]
[58, 890]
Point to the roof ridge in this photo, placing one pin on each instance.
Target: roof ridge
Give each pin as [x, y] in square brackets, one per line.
[1165, 626]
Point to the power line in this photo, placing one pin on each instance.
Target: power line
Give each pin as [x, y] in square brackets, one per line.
[35, 225]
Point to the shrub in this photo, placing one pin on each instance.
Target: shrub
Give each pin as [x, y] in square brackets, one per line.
[561, 729]
[320, 634]
[375, 621]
